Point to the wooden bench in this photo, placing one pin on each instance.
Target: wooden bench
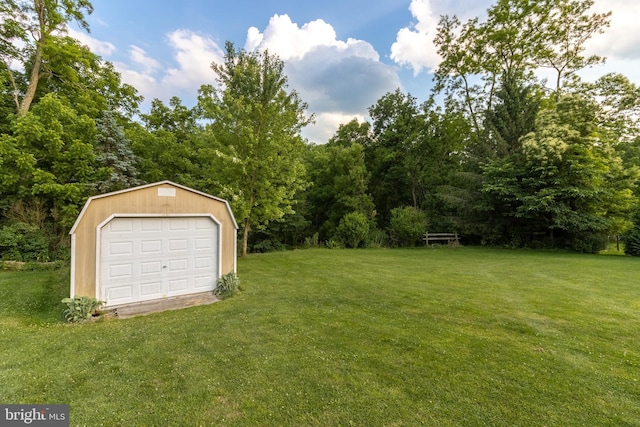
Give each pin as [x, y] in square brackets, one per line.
[448, 237]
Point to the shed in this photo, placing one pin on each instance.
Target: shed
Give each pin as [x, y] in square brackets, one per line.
[151, 242]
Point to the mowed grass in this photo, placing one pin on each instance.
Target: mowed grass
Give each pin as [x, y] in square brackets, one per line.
[436, 337]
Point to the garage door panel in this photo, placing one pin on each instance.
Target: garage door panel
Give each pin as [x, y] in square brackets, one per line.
[203, 244]
[120, 227]
[203, 262]
[151, 289]
[117, 271]
[178, 265]
[164, 257]
[150, 246]
[204, 282]
[121, 248]
[179, 225]
[202, 223]
[118, 293]
[150, 267]
[177, 245]
[177, 285]
[151, 225]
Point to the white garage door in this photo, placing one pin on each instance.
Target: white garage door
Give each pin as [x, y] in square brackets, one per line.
[143, 259]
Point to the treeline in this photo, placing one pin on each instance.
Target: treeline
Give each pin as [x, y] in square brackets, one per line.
[497, 154]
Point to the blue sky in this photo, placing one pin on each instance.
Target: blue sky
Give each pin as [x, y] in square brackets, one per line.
[341, 55]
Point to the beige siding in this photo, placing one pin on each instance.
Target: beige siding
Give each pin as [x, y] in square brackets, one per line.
[140, 201]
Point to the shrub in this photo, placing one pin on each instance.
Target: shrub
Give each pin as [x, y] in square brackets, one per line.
[312, 242]
[407, 226]
[23, 242]
[377, 238]
[353, 229]
[333, 244]
[589, 243]
[80, 308]
[268, 245]
[227, 285]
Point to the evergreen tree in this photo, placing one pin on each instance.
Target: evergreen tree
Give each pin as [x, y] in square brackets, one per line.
[114, 155]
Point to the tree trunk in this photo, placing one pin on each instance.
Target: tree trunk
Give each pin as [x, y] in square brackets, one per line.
[34, 78]
[245, 237]
[33, 84]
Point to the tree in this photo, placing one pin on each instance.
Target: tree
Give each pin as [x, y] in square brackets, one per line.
[114, 154]
[567, 27]
[255, 125]
[175, 118]
[487, 71]
[569, 183]
[49, 158]
[168, 144]
[29, 32]
[394, 155]
[631, 237]
[90, 83]
[338, 179]
[518, 37]
[461, 62]
[619, 116]
[499, 148]
[413, 152]
[512, 116]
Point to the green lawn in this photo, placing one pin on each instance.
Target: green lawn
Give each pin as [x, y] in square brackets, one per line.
[437, 337]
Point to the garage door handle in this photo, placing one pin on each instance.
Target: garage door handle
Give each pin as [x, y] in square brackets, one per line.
[164, 266]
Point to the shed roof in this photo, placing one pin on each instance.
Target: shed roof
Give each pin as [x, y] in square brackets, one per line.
[155, 184]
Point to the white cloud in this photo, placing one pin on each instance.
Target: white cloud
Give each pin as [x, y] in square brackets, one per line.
[327, 124]
[96, 46]
[139, 56]
[290, 42]
[414, 45]
[254, 39]
[145, 84]
[194, 54]
[338, 79]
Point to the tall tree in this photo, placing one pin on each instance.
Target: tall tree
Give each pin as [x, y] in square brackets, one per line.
[499, 147]
[512, 116]
[567, 27]
[394, 154]
[176, 118]
[518, 37]
[29, 32]
[255, 122]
